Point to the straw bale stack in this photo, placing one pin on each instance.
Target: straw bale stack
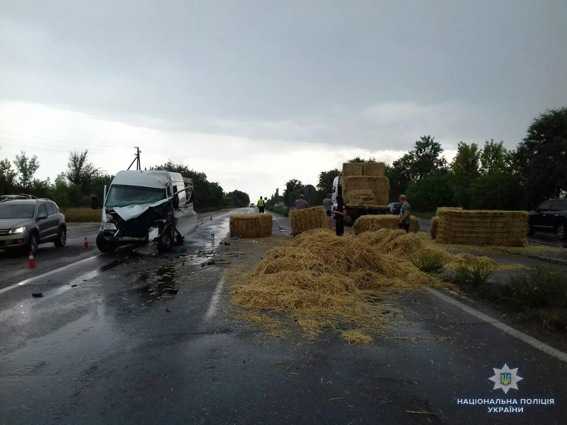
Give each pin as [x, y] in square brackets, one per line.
[380, 186]
[307, 219]
[355, 169]
[433, 228]
[377, 169]
[482, 227]
[371, 223]
[362, 198]
[251, 225]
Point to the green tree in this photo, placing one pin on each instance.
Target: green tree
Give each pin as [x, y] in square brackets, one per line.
[465, 170]
[206, 194]
[239, 199]
[7, 177]
[429, 193]
[293, 189]
[499, 190]
[81, 172]
[494, 157]
[26, 166]
[541, 158]
[358, 160]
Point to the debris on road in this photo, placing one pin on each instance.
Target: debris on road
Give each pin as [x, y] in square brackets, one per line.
[251, 225]
[37, 295]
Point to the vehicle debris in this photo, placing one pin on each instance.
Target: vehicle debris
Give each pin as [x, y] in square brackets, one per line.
[37, 294]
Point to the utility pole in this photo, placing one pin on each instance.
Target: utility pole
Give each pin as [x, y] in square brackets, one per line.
[137, 159]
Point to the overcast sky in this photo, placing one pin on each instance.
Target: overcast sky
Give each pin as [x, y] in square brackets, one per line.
[254, 93]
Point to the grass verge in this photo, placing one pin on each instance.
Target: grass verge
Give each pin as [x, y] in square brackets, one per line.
[81, 215]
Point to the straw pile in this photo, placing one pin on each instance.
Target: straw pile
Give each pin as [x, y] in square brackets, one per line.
[355, 169]
[251, 225]
[377, 169]
[480, 227]
[362, 198]
[307, 219]
[370, 223]
[327, 281]
[433, 228]
[380, 187]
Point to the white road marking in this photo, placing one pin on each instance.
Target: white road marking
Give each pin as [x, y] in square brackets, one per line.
[41, 276]
[212, 310]
[503, 327]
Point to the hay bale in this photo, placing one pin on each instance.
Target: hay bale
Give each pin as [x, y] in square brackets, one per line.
[371, 223]
[362, 198]
[251, 225]
[433, 228]
[377, 169]
[482, 227]
[307, 219]
[380, 187]
[355, 169]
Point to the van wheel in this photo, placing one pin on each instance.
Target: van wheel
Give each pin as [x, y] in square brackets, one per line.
[61, 237]
[561, 232]
[104, 246]
[165, 242]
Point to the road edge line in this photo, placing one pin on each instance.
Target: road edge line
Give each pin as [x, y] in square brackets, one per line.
[554, 352]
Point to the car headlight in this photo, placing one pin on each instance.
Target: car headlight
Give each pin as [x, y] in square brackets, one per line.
[18, 230]
[108, 226]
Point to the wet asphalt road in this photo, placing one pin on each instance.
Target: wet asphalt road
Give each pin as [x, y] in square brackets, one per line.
[142, 341]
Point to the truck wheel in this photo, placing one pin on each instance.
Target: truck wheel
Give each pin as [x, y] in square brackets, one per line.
[61, 237]
[104, 246]
[165, 242]
[561, 232]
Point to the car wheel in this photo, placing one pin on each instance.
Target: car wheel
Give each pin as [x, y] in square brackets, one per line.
[61, 237]
[165, 242]
[33, 243]
[530, 230]
[104, 246]
[561, 232]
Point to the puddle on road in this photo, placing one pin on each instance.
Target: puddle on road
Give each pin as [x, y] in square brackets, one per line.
[162, 284]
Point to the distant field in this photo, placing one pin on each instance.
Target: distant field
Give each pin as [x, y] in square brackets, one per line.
[81, 215]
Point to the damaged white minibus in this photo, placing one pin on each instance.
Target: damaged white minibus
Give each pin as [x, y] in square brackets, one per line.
[147, 206]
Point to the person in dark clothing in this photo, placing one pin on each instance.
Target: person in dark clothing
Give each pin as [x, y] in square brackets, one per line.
[340, 214]
[405, 212]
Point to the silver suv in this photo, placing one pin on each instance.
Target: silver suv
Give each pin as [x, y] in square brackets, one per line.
[25, 223]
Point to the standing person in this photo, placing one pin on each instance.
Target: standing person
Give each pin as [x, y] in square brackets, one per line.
[340, 214]
[260, 205]
[405, 212]
[301, 203]
[328, 205]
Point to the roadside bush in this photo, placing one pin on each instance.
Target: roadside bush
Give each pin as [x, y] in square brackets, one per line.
[280, 210]
[541, 287]
[473, 277]
[429, 262]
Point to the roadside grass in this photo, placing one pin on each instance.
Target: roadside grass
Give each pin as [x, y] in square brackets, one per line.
[538, 295]
[82, 215]
[429, 262]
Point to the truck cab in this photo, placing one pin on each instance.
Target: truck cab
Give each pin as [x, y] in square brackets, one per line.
[147, 206]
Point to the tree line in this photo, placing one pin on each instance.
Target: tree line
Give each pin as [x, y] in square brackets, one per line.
[478, 177]
[82, 181]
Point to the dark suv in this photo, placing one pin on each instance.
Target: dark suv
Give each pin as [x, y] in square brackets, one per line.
[550, 216]
[25, 223]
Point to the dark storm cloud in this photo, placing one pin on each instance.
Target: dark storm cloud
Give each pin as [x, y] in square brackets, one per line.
[372, 74]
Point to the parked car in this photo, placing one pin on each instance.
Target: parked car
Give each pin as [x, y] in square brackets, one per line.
[26, 223]
[395, 207]
[17, 196]
[252, 205]
[550, 216]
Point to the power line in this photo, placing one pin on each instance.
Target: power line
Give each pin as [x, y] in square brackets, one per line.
[55, 140]
[48, 147]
